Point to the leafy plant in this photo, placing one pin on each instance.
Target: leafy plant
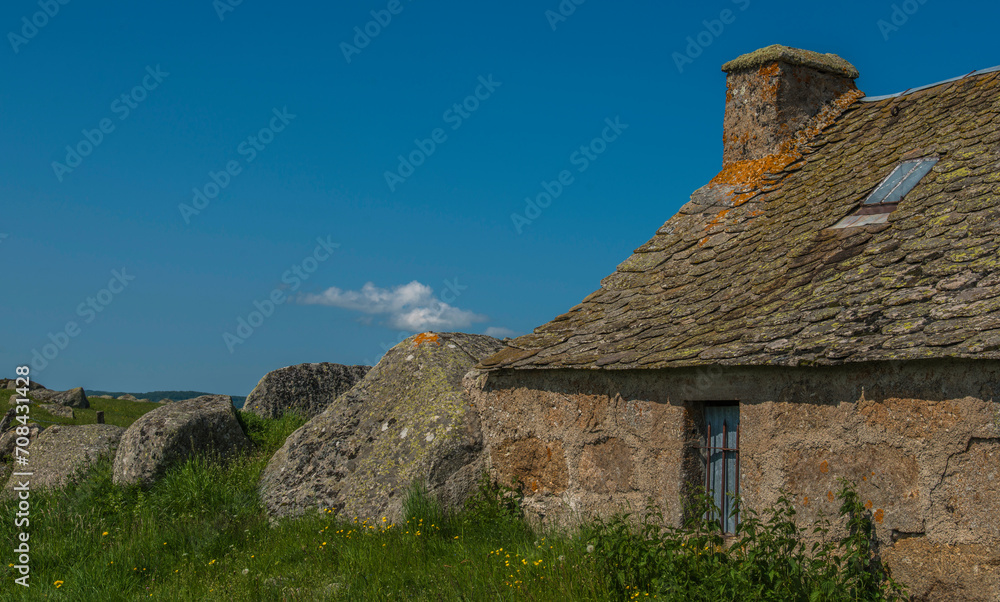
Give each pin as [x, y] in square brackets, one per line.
[201, 533]
[495, 505]
[767, 559]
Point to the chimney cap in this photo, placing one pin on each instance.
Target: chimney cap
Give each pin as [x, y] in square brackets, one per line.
[830, 63]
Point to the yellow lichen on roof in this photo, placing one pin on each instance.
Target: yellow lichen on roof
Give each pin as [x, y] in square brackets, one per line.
[715, 222]
[826, 117]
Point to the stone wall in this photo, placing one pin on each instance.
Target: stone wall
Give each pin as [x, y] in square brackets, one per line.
[921, 441]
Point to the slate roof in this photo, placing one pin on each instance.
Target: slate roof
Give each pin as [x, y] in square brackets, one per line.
[749, 272]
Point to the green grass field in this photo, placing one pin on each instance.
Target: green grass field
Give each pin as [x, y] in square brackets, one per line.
[201, 533]
[120, 413]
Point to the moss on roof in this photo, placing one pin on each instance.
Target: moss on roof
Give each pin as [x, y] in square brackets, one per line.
[830, 63]
[749, 272]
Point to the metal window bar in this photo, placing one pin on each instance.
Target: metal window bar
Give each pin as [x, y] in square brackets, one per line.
[730, 457]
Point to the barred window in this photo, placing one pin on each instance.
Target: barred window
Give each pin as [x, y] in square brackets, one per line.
[721, 459]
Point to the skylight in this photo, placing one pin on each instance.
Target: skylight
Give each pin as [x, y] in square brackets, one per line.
[901, 181]
[885, 197]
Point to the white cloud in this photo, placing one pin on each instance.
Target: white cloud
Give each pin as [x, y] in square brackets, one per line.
[499, 332]
[411, 307]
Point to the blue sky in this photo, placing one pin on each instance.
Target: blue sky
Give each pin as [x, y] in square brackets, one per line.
[223, 157]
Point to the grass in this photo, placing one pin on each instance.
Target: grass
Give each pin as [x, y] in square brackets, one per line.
[117, 412]
[201, 533]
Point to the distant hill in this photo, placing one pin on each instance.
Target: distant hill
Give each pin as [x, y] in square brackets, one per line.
[238, 401]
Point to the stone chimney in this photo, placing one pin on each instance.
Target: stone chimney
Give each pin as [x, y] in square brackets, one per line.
[773, 92]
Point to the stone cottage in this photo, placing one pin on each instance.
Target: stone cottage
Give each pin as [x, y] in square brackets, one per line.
[827, 306]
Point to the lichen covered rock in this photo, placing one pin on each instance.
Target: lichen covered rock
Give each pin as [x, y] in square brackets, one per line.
[73, 398]
[174, 432]
[8, 438]
[61, 451]
[58, 410]
[12, 383]
[305, 388]
[408, 420]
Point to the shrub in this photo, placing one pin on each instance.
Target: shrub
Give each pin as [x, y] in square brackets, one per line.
[495, 506]
[767, 559]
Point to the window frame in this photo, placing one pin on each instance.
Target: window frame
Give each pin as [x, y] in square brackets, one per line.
[900, 181]
[730, 457]
[889, 193]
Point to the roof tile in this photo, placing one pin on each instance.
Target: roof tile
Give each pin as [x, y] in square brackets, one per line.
[747, 273]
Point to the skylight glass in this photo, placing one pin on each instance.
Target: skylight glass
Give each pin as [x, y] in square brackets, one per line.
[901, 181]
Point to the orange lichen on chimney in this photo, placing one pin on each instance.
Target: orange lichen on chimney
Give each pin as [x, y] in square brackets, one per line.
[749, 175]
[772, 70]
